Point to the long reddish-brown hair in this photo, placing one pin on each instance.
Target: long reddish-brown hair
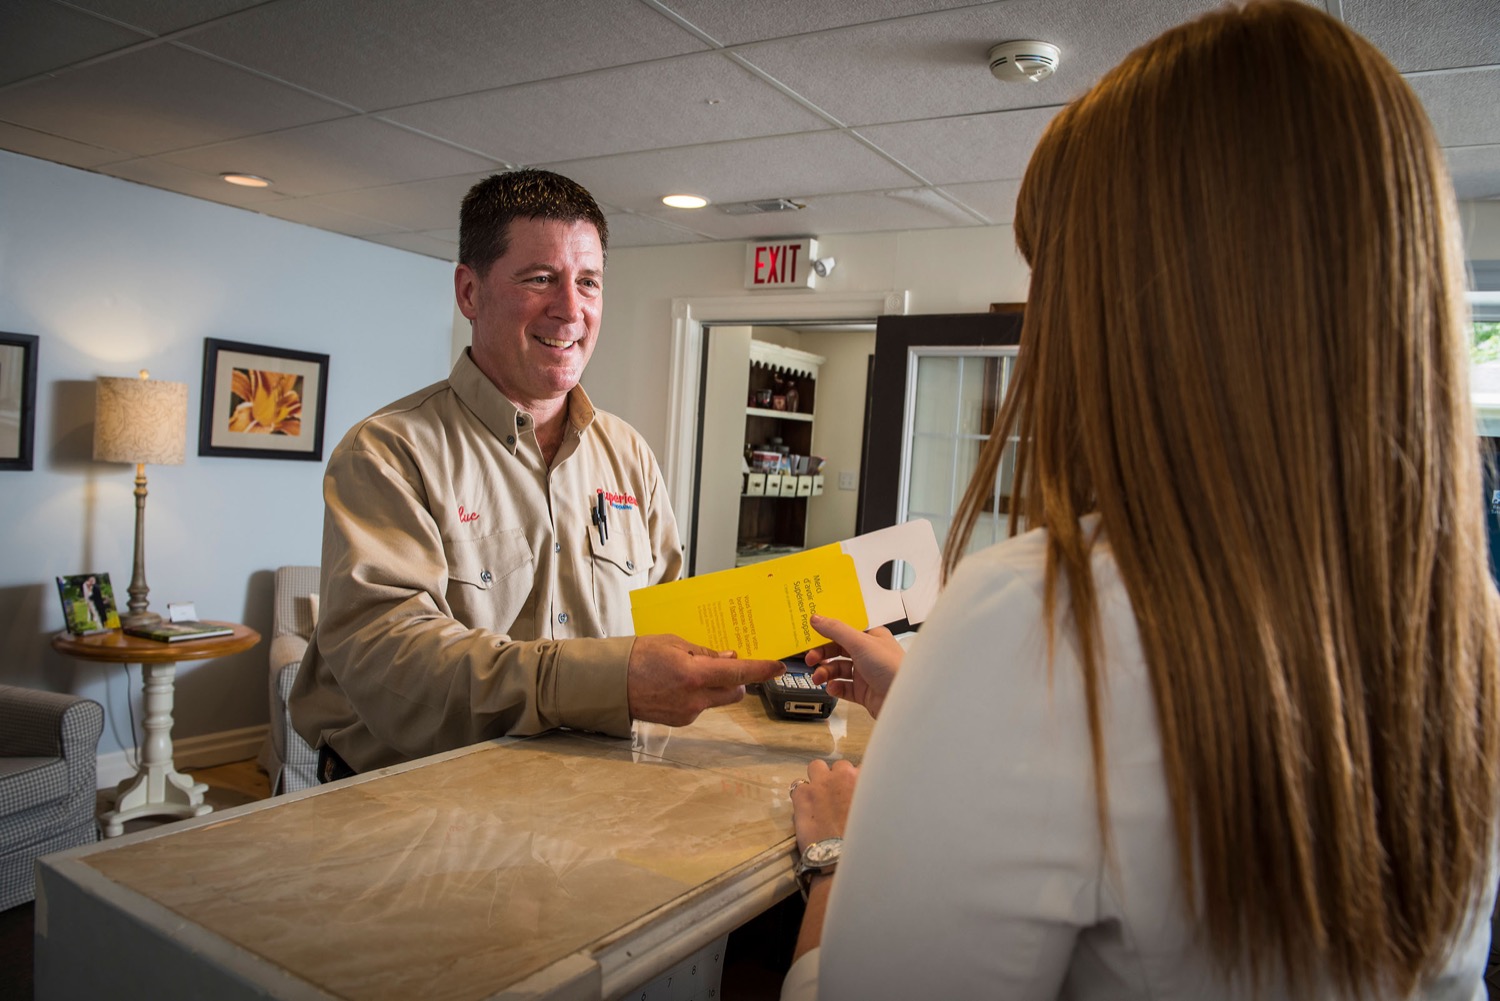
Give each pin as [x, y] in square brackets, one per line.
[1244, 349]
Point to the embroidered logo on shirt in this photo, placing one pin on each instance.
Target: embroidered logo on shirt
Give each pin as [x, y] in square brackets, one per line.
[621, 502]
[466, 516]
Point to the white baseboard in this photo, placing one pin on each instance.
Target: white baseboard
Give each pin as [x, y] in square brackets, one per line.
[204, 751]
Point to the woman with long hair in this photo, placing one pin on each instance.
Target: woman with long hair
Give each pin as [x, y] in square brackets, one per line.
[1222, 722]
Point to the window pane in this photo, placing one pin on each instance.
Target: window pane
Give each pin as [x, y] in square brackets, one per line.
[937, 391]
[930, 488]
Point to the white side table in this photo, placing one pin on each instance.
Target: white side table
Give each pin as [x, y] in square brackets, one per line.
[158, 788]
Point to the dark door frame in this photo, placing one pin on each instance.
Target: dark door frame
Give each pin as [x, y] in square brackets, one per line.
[895, 336]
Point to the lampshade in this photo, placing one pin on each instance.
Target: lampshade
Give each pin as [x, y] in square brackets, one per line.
[140, 420]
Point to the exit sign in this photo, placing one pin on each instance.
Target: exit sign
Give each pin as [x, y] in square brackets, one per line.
[783, 263]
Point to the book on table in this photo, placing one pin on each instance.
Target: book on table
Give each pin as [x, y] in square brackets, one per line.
[176, 632]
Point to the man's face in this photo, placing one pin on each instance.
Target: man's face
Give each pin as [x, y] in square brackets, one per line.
[536, 311]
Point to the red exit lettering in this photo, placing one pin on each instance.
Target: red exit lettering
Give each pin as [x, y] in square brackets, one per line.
[776, 264]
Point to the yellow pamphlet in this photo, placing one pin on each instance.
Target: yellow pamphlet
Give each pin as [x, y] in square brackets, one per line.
[762, 610]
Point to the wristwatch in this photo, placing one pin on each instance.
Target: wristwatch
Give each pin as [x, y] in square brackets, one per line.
[820, 856]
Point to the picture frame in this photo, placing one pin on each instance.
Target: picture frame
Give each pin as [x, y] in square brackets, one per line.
[88, 603]
[18, 353]
[262, 402]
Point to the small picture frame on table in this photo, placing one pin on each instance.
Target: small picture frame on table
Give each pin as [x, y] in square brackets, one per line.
[17, 399]
[262, 402]
[88, 603]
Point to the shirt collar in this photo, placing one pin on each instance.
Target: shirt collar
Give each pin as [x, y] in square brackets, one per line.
[504, 420]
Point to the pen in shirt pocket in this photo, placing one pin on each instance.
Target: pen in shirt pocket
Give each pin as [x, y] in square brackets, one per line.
[601, 516]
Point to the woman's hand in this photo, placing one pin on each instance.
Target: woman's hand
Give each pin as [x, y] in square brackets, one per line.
[820, 808]
[857, 666]
[820, 802]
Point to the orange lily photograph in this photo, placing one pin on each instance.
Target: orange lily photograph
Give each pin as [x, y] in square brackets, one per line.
[261, 402]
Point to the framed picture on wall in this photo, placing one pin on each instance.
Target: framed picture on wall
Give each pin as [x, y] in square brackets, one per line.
[261, 402]
[17, 399]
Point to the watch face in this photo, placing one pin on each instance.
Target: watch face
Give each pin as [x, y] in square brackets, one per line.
[822, 853]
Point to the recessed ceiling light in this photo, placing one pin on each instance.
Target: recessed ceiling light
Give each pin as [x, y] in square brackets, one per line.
[684, 201]
[247, 180]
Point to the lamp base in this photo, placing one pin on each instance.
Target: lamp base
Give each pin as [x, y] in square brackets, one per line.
[140, 620]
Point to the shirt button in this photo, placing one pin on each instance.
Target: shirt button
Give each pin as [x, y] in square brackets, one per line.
[557, 547]
[630, 565]
[510, 439]
[520, 420]
[486, 576]
[562, 617]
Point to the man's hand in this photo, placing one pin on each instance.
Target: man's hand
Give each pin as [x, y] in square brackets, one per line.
[671, 681]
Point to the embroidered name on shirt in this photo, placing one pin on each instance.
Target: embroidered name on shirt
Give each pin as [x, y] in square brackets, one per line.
[622, 502]
[465, 517]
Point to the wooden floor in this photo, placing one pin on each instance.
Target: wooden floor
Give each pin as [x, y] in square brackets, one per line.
[229, 785]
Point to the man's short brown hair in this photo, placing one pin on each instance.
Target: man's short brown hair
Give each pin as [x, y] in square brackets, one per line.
[488, 208]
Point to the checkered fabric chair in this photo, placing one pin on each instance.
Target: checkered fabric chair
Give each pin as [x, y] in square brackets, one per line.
[48, 762]
[287, 759]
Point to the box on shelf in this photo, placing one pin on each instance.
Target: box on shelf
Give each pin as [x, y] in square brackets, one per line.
[755, 485]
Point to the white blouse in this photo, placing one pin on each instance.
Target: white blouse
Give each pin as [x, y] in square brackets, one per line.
[972, 865]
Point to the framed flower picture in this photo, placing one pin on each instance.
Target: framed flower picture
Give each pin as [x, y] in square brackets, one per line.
[262, 403]
[17, 399]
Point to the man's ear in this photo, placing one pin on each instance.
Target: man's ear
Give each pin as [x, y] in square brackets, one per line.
[466, 290]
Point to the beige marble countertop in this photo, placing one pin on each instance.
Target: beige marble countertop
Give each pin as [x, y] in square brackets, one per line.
[473, 871]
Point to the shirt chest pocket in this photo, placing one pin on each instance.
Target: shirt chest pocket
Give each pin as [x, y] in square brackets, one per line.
[621, 565]
[490, 579]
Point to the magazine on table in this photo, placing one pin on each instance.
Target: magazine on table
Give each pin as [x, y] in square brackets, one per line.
[176, 632]
[182, 623]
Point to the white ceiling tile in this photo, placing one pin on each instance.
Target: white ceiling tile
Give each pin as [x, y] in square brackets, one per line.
[48, 147]
[936, 65]
[1475, 171]
[309, 212]
[335, 156]
[867, 211]
[672, 102]
[170, 177]
[162, 16]
[641, 231]
[995, 200]
[400, 52]
[733, 23]
[37, 36]
[779, 166]
[970, 148]
[416, 205]
[418, 243]
[157, 99]
[1425, 36]
[1461, 104]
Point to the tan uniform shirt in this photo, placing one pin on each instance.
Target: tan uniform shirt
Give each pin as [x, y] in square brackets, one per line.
[454, 561]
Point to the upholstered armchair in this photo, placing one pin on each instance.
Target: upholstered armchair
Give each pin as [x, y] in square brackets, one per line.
[49, 744]
[286, 757]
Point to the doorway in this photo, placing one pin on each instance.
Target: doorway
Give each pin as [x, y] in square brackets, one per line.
[686, 402]
[780, 440]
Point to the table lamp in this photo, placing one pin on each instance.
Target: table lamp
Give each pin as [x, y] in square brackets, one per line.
[140, 421]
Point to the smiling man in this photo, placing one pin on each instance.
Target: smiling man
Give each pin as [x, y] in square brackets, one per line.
[482, 536]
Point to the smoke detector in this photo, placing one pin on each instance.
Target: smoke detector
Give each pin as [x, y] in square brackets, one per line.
[1024, 61]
